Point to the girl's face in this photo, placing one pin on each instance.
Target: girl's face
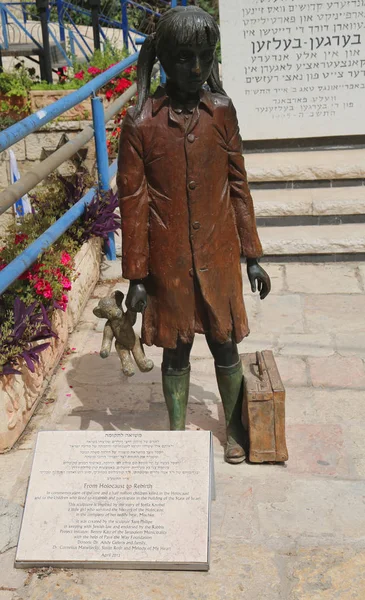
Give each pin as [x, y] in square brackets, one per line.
[189, 66]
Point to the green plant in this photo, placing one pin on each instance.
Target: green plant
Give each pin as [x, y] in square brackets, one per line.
[5, 120]
[18, 81]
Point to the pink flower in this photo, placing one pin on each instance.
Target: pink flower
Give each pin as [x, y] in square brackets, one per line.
[26, 275]
[66, 283]
[94, 70]
[65, 258]
[109, 94]
[122, 85]
[63, 302]
[48, 292]
[19, 238]
[79, 75]
[2, 266]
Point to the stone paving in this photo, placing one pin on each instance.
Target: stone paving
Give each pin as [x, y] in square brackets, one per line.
[293, 532]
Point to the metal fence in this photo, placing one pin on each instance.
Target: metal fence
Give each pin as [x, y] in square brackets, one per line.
[30, 124]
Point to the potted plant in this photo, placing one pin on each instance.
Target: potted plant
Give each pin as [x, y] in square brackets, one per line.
[14, 88]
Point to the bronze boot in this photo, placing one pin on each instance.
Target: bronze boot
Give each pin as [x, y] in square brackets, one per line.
[230, 384]
[175, 385]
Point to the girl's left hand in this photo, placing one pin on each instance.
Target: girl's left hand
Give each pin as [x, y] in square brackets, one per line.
[256, 272]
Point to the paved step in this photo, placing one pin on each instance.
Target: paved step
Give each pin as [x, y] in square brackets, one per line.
[326, 239]
[309, 202]
[304, 166]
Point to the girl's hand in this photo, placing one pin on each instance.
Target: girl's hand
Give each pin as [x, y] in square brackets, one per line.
[137, 296]
[256, 272]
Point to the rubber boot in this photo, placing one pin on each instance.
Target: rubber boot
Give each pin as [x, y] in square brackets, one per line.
[230, 384]
[175, 385]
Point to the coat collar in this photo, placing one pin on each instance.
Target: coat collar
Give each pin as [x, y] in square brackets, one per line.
[160, 99]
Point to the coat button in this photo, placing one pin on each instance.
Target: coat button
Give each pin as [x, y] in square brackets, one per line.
[191, 137]
[192, 185]
[196, 225]
[191, 272]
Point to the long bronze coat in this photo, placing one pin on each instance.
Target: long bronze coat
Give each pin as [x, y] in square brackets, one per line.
[187, 217]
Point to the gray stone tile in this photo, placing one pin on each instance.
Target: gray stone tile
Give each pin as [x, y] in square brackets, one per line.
[314, 405]
[337, 371]
[278, 314]
[254, 575]
[10, 577]
[351, 344]
[297, 344]
[312, 509]
[322, 278]
[326, 573]
[335, 313]
[293, 371]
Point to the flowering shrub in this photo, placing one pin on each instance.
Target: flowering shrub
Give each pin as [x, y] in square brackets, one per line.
[102, 61]
[19, 335]
[27, 306]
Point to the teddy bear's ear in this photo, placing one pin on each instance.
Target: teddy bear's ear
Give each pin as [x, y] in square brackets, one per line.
[119, 296]
[98, 312]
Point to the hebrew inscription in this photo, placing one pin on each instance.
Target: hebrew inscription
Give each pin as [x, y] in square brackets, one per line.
[295, 68]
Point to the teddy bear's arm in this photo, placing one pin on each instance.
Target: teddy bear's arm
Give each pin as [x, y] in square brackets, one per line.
[106, 344]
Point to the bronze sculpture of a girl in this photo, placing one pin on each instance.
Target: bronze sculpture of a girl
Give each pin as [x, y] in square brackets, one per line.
[187, 214]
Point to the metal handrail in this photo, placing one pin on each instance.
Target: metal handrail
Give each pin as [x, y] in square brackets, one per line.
[24, 260]
[30, 124]
[30, 179]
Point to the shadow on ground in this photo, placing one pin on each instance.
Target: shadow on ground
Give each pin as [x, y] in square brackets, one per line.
[111, 400]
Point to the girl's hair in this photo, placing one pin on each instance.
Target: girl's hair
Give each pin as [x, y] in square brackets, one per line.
[181, 25]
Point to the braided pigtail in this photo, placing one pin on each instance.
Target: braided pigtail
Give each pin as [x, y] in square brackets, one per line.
[214, 81]
[146, 60]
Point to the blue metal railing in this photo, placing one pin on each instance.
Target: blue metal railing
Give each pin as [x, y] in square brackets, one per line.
[66, 12]
[32, 123]
[17, 132]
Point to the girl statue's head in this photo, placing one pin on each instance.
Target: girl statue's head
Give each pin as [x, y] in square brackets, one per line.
[184, 43]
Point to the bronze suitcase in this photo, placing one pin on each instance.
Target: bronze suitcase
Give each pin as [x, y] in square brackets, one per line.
[263, 410]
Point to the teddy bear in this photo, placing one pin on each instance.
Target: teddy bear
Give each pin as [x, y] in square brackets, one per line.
[119, 325]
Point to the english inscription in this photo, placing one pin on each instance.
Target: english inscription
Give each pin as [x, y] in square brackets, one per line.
[118, 496]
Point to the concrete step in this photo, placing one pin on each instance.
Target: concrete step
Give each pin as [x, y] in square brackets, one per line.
[305, 165]
[346, 200]
[326, 239]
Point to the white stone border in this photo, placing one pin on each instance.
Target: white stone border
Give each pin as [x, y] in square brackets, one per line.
[19, 394]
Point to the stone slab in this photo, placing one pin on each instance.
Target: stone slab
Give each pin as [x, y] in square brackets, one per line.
[278, 314]
[295, 344]
[311, 165]
[338, 313]
[282, 202]
[337, 371]
[351, 344]
[118, 500]
[339, 201]
[311, 508]
[323, 278]
[327, 573]
[362, 275]
[255, 575]
[329, 239]
[287, 84]
[327, 406]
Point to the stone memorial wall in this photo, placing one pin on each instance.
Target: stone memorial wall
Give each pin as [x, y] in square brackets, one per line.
[295, 68]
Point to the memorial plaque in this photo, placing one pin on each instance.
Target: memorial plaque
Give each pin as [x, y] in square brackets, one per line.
[118, 499]
[295, 68]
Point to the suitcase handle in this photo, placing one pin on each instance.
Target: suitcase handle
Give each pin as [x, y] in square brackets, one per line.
[260, 364]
